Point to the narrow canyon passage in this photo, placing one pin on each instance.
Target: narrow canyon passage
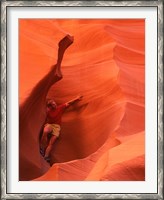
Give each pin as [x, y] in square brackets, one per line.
[103, 135]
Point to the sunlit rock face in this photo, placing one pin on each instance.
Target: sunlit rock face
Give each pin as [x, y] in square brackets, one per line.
[103, 135]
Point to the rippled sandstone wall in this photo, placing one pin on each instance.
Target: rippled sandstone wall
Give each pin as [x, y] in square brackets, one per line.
[102, 135]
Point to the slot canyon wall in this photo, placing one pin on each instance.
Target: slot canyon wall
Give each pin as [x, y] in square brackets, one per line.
[102, 136]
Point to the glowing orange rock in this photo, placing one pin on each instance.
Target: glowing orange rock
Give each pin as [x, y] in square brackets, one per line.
[106, 65]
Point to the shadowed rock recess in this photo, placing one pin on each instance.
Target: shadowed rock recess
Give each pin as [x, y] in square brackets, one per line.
[102, 136]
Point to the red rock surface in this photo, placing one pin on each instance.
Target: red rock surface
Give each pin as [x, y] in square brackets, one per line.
[102, 136]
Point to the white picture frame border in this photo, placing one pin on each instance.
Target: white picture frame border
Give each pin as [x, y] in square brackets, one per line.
[4, 111]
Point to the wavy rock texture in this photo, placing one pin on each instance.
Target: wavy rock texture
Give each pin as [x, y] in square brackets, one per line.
[102, 136]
